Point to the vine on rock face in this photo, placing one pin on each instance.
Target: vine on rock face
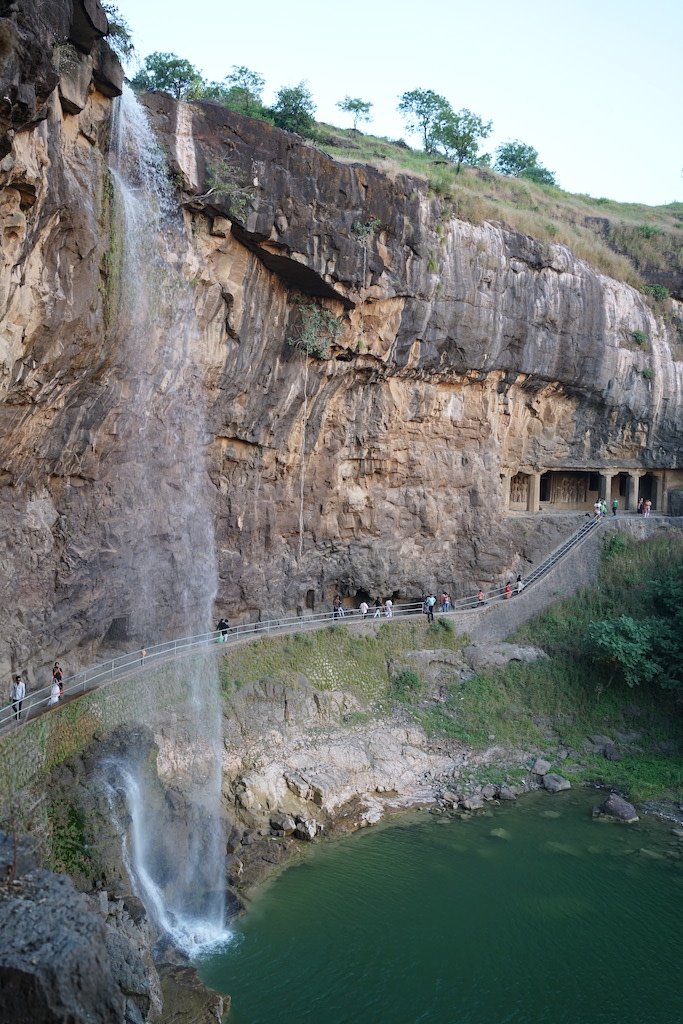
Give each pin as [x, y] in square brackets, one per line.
[315, 329]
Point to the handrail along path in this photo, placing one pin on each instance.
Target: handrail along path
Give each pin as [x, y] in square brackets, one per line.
[171, 650]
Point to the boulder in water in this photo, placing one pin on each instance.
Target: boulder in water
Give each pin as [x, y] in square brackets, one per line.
[616, 808]
[555, 783]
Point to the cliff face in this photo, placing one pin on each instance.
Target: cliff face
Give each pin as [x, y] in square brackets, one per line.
[464, 355]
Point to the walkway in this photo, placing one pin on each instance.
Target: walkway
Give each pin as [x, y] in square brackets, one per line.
[563, 572]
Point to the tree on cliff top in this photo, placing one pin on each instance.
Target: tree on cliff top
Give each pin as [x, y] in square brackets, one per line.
[358, 109]
[422, 109]
[167, 72]
[294, 109]
[520, 160]
[459, 133]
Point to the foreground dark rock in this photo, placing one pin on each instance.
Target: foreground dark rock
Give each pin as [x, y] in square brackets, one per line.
[59, 961]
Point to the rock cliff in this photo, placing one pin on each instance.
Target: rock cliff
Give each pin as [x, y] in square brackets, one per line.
[462, 355]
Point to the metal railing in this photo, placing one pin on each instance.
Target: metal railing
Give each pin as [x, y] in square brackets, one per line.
[170, 650]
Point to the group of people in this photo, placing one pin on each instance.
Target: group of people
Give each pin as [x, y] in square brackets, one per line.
[338, 610]
[18, 690]
[600, 507]
[644, 507]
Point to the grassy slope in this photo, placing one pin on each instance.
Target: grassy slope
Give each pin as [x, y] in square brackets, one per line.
[629, 241]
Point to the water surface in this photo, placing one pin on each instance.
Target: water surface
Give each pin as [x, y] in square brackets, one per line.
[533, 914]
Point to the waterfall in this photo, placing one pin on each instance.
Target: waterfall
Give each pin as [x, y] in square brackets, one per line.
[164, 501]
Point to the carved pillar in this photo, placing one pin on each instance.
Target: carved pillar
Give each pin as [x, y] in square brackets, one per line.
[533, 502]
[606, 486]
[632, 492]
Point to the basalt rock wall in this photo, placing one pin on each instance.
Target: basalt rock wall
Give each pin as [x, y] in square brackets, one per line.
[465, 353]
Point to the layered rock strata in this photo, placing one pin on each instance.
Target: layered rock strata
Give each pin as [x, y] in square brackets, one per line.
[463, 354]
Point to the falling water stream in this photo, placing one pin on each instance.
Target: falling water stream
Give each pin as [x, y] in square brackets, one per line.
[172, 575]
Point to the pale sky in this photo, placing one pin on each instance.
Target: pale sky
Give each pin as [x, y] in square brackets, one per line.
[594, 85]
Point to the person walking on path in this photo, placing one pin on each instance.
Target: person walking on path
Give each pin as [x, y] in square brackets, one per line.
[17, 694]
[640, 506]
[59, 676]
[508, 590]
[647, 507]
[520, 584]
[55, 693]
[596, 509]
[603, 507]
[363, 608]
[223, 625]
[481, 597]
[615, 506]
[430, 601]
[336, 607]
[378, 607]
[389, 608]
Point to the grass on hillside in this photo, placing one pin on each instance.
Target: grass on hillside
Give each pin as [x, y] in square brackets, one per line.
[338, 657]
[627, 241]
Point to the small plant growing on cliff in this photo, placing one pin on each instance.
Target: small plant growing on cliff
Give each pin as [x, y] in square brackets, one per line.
[119, 36]
[223, 186]
[640, 337]
[648, 373]
[315, 329]
[365, 230]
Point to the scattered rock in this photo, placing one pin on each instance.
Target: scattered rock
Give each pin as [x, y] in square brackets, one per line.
[489, 792]
[616, 808]
[611, 753]
[507, 793]
[282, 824]
[306, 828]
[555, 783]
[449, 797]
[541, 767]
[474, 802]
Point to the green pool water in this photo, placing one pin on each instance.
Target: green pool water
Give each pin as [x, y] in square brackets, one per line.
[532, 913]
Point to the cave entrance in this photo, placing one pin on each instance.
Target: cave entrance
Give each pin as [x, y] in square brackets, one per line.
[647, 489]
[119, 630]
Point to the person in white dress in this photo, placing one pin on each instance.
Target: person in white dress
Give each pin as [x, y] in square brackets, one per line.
[54, 693]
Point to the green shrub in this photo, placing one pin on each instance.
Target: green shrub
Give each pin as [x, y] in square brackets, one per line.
[315, 329]
[615, 545]
[658, 292]
[648, 373]
[640, 337]
[406, 686]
